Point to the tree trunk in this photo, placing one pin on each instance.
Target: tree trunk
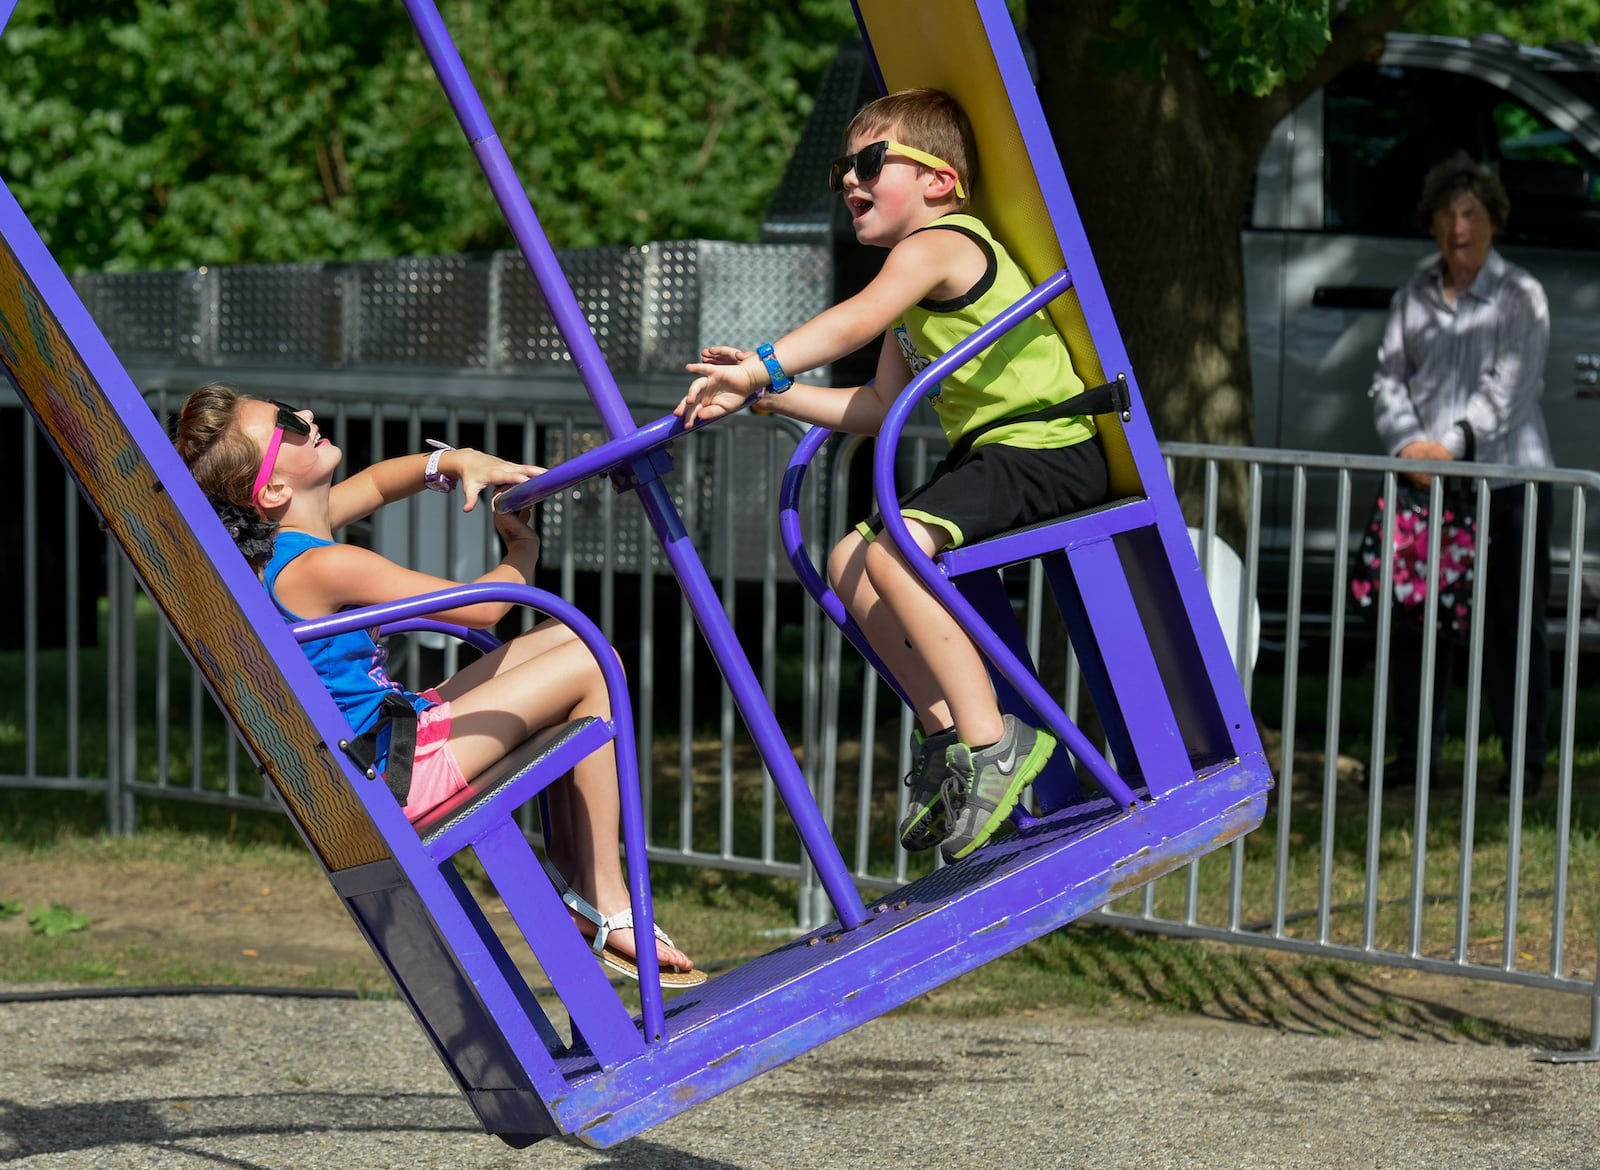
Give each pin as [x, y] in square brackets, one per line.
[1161, 170]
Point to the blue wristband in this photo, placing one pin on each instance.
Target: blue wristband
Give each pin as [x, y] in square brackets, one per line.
[780, 380]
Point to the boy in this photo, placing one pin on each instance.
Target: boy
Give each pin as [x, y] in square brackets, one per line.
[905, 182]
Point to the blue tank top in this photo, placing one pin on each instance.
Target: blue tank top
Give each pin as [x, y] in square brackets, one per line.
[351, 665]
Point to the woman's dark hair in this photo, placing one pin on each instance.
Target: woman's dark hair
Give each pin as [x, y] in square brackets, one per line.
[1460, 175]
[224, 463]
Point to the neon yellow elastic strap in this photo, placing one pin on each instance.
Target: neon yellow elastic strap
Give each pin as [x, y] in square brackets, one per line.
[929, 161]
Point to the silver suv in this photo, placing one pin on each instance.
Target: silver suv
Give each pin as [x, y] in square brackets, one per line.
[1331, 234]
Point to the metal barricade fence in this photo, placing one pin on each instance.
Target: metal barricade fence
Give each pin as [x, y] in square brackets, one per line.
[1442, 877]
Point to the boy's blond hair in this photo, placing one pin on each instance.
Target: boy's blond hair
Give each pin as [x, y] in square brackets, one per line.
[928, 119]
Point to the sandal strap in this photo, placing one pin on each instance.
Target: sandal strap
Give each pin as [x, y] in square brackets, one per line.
[571, 897]
[604, 924]
[621, 920]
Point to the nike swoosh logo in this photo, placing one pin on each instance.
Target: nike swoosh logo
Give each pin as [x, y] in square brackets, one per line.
[1008, 762]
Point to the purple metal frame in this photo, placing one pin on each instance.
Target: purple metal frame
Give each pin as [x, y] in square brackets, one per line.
[405, 613]
[618, 1074]
[1221, 673]
[632, 459]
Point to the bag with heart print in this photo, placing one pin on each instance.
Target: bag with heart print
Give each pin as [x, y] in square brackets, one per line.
[1413, 578]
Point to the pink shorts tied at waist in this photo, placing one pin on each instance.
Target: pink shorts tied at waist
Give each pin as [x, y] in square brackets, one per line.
[435, 774]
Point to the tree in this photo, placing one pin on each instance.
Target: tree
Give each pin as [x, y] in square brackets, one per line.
[1190, 92]
[1184, 94]
[173, 133]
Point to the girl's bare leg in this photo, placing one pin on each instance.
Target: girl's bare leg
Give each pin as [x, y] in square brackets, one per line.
[548, 676]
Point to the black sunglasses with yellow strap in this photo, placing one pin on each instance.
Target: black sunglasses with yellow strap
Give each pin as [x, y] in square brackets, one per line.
[868, 162]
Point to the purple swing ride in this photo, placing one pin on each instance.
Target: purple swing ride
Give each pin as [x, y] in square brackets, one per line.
[1190, 771]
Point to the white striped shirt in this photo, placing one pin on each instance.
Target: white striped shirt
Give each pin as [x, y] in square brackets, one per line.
[1480, 359]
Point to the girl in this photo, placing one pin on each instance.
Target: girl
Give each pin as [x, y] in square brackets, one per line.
[269, 470]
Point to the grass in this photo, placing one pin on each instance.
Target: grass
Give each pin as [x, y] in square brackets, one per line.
[1087, 971]
[729, 916]
[1330, 837]
[1407, 915]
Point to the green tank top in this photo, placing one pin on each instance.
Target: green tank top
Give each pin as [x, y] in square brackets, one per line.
[1027, 369]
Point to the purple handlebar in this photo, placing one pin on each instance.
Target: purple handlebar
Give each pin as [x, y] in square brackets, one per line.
[609, 455]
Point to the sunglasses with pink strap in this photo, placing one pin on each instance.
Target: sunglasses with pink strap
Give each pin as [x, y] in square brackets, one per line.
[288, 420]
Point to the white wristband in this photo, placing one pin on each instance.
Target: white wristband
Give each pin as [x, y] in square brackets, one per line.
[432, 478]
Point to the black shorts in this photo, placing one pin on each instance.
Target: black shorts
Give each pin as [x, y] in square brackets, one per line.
[997, 488]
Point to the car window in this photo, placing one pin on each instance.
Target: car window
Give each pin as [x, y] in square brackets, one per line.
[1553, 183]
[1385, 125]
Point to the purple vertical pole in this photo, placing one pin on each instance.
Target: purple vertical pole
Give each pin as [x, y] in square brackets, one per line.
[658, 506]
[520, 217]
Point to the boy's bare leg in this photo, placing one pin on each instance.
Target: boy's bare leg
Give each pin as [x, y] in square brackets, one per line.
[940, 665]
[887, 637]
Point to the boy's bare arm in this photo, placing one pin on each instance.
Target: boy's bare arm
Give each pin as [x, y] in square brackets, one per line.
[856, 410]
[722, 387]
[918, 266]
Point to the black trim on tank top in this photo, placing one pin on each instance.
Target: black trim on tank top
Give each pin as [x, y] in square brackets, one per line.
[983, 284]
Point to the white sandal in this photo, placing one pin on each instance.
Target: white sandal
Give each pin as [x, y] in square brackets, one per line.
[622, 920]
[626, 965]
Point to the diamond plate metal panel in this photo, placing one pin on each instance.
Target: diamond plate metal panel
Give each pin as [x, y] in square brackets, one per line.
[673, 291]
[274, 313]
[609, 286]
[651, 307]
[147, 312]
[426, 310]
[752, 293]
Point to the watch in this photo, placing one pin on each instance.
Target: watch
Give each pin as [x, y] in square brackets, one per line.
[432, 478]
[780, 380]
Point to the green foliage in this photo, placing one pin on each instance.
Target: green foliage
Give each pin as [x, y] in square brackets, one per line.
[150, 134]
[1254, 46]
[156, 134]
[1533, 22]
[9, 908]
[1250, 47]
[51, 921]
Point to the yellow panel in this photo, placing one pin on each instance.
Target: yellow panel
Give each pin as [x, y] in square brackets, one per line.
[942, 44]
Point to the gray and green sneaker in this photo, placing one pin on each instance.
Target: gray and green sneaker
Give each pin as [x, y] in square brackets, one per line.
[982, 787]
[925, 825]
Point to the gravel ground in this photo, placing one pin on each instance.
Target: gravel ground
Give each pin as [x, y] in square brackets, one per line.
[246, 1082]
